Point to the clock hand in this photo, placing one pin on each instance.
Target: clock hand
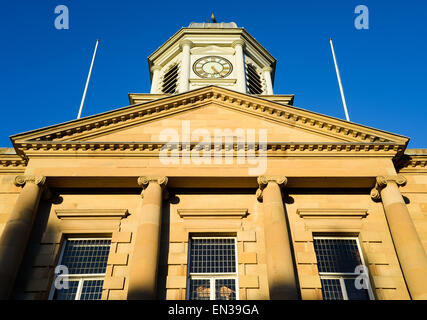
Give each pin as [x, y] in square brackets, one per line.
[214, 69]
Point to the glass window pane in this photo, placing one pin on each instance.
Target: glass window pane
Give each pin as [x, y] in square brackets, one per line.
[92, 290]
[337, 255]
[225, 289]
[331, 289]
[199, 289]
[86, 256]
[67, 294]
[212, 256]
[353, 293]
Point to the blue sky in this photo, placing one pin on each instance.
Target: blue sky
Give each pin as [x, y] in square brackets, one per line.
[43, 70]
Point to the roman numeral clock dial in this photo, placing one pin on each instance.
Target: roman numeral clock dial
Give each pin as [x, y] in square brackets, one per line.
[212, 67]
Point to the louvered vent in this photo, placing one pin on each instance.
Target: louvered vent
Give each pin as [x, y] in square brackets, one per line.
[170, 80]
[253, 80]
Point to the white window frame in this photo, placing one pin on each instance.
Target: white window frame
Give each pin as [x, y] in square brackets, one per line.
[75, 277]
[341, 276]
[212, 276]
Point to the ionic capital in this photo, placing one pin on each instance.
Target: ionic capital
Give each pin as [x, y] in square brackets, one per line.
[238, 42]
[155, 67]
[267, 69]
[263, 181]
[20, 181]
[145, 181]
[185, 42]
[381, 183]
[161, 181]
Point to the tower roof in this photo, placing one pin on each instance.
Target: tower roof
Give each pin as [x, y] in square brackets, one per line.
[207, 25]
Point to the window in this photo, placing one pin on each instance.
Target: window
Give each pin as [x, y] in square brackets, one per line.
[170, 80]
[212, 269]
[253, 80]
[86, 261]
[337, 260]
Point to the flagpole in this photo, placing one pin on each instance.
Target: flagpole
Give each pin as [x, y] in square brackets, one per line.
[339, 82]
[87, 81]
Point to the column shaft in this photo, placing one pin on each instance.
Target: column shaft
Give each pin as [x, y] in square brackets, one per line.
[155, 80]
[15, 235]
[267, 76]
[409, 248]
[240, 65]
[280, 267]
[184, 78]
[143, 273]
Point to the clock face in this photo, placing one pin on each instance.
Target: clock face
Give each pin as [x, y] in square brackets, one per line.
[212, 67]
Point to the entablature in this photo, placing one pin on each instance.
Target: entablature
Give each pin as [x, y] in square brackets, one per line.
[154, 149]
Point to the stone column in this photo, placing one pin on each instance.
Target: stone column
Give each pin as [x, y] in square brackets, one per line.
[238, 45]
[184, 78]
[155, 88]
[280, 267]
[13, 240]
[143, 272]
[267, 76]
[409, 248]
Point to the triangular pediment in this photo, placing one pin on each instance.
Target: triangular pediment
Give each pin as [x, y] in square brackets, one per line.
[209, 107]
[213, 119]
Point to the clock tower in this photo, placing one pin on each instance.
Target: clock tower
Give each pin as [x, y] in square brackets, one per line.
[204, 54]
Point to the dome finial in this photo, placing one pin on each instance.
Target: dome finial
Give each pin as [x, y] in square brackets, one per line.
[213, 18]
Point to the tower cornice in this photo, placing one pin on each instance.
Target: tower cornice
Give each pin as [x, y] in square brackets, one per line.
[172, 46]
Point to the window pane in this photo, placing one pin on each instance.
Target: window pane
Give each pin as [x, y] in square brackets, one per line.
[92, 290]
[225, 289]
[353, 293]
[337, 255]
[86, 256]
[199, 289]
[331, 289]
[67, 294]
[212, 256]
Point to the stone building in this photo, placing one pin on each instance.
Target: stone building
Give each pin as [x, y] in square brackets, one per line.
[212, 187]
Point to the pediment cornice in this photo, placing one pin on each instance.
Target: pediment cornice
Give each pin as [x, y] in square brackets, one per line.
[76, 135]
[95, 126]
